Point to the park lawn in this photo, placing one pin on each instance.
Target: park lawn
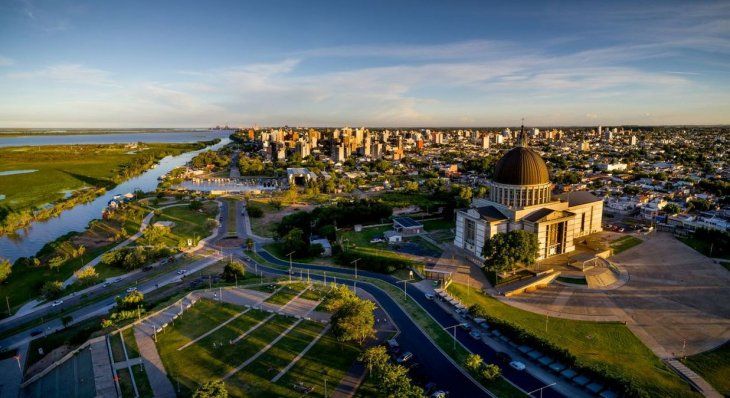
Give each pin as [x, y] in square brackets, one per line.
[189, 224]
[405, 199]
[713, 366]
[286, 293]
[65, 168]
[255, 379]
[703, 247]
[125, 383]
[143, 383]
[205, 315]
[360, 242]
[327, 360]
[130, 343]
[231, 216]
[117, 349]
[625, 243]
[603, 345]
[435, 225]
[213, 357]
[266, 225]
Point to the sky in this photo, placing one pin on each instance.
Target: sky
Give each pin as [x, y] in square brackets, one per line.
[98, 64]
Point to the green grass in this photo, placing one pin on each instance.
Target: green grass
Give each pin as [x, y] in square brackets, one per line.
[604, 345]
[704, 247]
[73, 337]
[360, 242]
[117, 349]
[131, 343]
[213, 356]
[143, 383]
[64, 168]
[713, 366]
[231, 217]
[404, 199]
[432, 328]
[285, 294]
[435, 225]
[125, 383]
[575, 281]
[624, 243]
[189, 224]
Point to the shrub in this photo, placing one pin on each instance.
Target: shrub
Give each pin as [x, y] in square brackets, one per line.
[233, 270]
[52, 290]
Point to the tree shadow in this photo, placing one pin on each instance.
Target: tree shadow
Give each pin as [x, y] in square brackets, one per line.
[88, 180]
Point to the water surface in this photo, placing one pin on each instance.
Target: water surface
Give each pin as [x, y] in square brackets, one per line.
[28, 241]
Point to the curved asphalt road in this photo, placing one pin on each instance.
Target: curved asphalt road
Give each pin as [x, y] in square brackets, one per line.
[435, 363]
[523, 379]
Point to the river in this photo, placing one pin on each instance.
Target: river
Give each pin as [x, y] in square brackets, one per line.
[31, 239]
[113, 138]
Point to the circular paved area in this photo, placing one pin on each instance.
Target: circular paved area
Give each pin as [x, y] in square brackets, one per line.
[674, 296]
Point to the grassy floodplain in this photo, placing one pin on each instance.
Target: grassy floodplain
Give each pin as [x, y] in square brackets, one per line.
[62, 169]
[602, 345]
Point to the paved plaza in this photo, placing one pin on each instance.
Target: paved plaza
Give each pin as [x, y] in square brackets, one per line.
[676, 300]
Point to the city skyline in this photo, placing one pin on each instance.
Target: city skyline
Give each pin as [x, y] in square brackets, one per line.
[87, 65]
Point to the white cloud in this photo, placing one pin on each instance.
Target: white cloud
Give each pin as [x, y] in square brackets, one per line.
[5, 61]
[66, 73]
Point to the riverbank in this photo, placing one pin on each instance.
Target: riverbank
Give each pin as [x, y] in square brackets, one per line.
[68, 175]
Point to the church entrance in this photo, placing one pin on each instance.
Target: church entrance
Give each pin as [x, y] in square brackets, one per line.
[555, 239]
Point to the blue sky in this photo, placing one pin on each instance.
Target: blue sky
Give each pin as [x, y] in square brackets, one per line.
[375, 63]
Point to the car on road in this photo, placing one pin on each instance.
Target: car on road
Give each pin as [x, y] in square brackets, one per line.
[117, 280]
[131, 289]
[57, 303]
[405, 357]
[429, 296]
[393, 346]
[517, 365]
[181, 271]
[475, 334]
[440, 394]
[106, 284]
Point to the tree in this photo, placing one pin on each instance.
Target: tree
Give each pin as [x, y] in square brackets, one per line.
[505, 250]
[254, 211]
[374, 358]
[473, 362]
[87, 276]
[130, 301]
[337, 297]
[294, 241]
[211, 389]
[672, 208]
[66, 320]
[354, 321]
[490, 372]
[233, 270]
[56, 262]
[52, 290]
[195, 205]
[5, 269]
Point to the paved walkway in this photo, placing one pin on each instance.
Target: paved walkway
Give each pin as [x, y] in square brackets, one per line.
[102, 367]
[705, 388]
[12, 377]
[156, 374]
[301, 354]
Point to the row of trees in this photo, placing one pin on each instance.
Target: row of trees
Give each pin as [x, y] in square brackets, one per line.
[210, 158]
[392, 379]
[130, 258]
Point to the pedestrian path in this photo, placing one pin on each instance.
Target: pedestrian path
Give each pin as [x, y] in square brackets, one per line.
[263, 350]
[705, 388]
[156, 374]
[102, 368]
[301, 354]
[211, 331]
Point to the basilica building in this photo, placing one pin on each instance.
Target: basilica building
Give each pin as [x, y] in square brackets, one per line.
[520, 197]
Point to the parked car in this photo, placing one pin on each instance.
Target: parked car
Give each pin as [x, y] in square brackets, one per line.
[440, 394]
[475, 334]
[405, 357]
[429, 296]
[517, 365]
[57, 303]
[393, 346]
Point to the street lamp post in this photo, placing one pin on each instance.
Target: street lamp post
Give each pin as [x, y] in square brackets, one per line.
[355, 262]
[290, 265]
[454, 328]
[540, 389]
